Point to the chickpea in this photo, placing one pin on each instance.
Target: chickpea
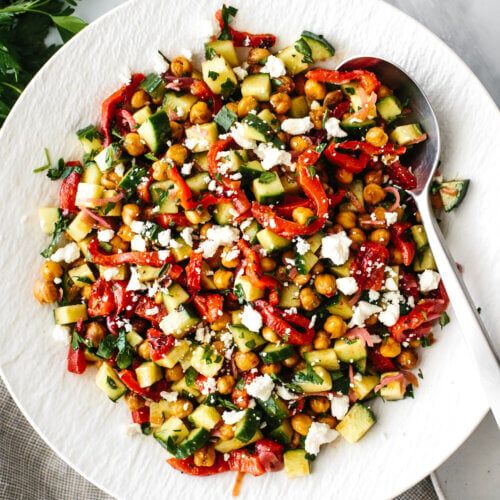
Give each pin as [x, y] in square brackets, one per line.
[225, 384]
[286, 84]
[377, 137]
[291, 361]
[301, 423]
[343, 176]
[174, 374]
[230, 263]
[133, 144]
[305, 348]
[221, 322]
[270, 335]
[357, 235]
[118, 245]
[325, 285]
[302, 215]
[245, 361]
[383, 91]
[373, 194]
[382, 236]
[180, 66]
[85, 291]
[329, 420]
[226, 432]
[374, 177]
[415, 343]
[281, 102]
[232, 106]
[299, 143]
[177, 153]
[283, 136]
[335, 326]
[204, 456]
[222, 279]
[322, 340]
[95, 333]
[200, 113]
[317, 116]
[51, 270]
[110, 180]
[315, 91]
[301, 279]
[372, 320]
[271, 368]
[45, 292]
[176, 131]
[181, 408]
[319, 404]
[309, 299]
[301, 365]
[318, 268]
[160, 170]
[346, 219]
[333, 98]
[267, 264]
[134, 401]
[257, 55]
[408, 358]
[379, 213]
[125, 233]
[130, 213]
[390, 348]
[296, 438]
[139, 99]
[144, 350]
[246, 105]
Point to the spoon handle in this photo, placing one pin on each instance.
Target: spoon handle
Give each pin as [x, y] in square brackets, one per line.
[471, 325]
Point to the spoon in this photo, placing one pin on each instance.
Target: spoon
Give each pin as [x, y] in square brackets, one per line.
[424, 164]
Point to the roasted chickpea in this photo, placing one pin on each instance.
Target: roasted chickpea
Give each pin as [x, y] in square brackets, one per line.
[110, 180]
[225, 384]
[309, 299]
[133, 144]
[177, 153]
[302, 215]
[321, 340]
[346, 219]
[221, 322]
[301, 279]
[372, 320]
[299, 143]
[174, 374]
[270, 335]
[319, 404]
[45, 292]
[134, 401]
[204, 456]
[144, 350]
[247, 104]
[230, 263]
[408, 358]
[374, 177]
[286, 84]
[281, 102]
[232, 106]
[51, 270]
[139, 99]
[373, 194]
[343, 176]
[325, 285]
[226, 432]
[119, 245]
[335, 326]
[267, 264]
[301, 423]
[95, 333]
[318, 268]
[377, 137]
[160, 170]
[176, 131]
[329, 420]
[382, 236]
[305, 348]
[291, 361]
[85, 291]
[245, 361]
[222, 279]
[383, 91]
[333, 98]
[130, 213]
[125, 233]
[357, 235]
[271, 368]
[200, 113]
[180, 66]
[390, 348]
[315, 91]
[257, 55]
[181, 408]
[317, 115]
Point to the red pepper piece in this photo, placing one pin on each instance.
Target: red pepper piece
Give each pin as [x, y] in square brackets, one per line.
[193, 272]
[367, 79]
[126, 121]
[129, 379]
[368, 267]
[369, 149]
[141, 416]
[185, 195]
[409, 285]
[345, 161]
[270, 454]
[380, 363]
[101, 300]
[187, 466]
[401, 176]
[168, 220]
[245, 39]
[403, 244]
[139, 258]
[252, 268]
[201, 90]
[290, 204]
[146, 308]
[341, 109]
[160, 344]
[77, 362]
[68, 189]
[209, 305]
[243, 461]
[123, 299]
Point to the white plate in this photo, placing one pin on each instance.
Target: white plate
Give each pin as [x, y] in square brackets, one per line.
[412, 437]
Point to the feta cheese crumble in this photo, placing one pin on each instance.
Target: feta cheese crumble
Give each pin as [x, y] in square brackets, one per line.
[164, 237]
[347, 286]
[319, 434]
[270, 156]
[332, 127]
[391, 218]
[428, 280]
[232, 417]
[302, 246]
[169, 396]
[68, 253]
[238, 133]
[274, 66]
[261, 387]
[336, 248]
[218, 236]
[110, 273]
[362, 311]
[105, 235]
[134, 283]
[339, 406]
[138, 243]
[297, 126]
[241, 73]
[187, 235]
[251, 318]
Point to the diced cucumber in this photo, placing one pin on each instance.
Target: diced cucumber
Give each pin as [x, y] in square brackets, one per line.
[178, 323]
[327, 358]
[393, 391]
[181, 250]
[154, 85]
[296, 463]
[205, 416]
[289, 296]
[268, 188]
[175, 354]
[356, 423]
[199, 138]
[108, 157]
[91, 174]
[207, 281]
[224, 213]
[225, 49]
[248, 425]
[343, 271]
[172, 431]
[79, 227]
[119, 273]
[133, 338]
[132, 178]
[245, 339]
[340, 307]
[158, 411]
[178, 104]
[364, 386]
[389, 108]
[164, 194]
[274, 353]
[405, 135]
[148, 373]
[108, 381]
[251, 231]
[350, 124]
[275, 408]
[290, 184]
[349, 351]
[452, 193]
[48, 216]
[251, 169]
[142, 115]
[361, 365]
[174, 296]
[315, 242]
[182, 387]
[148, 273]
[225, 118]
[194, 441]
[258, 86]
[243, 286]
[283, 433]
[257, 129]
[81, 275]
[423, 259]
[219, 76]
[299, 107]
[65, 315]
[198, 183]
[272, 242]
[155, 131]
[310, 383]
[356, 187]
[306, 262]
[201, 160]
[234, 443]
[320, 48]
[293, 60]
[206, 361]
[90, 139]
[86, 192]
[270, 119]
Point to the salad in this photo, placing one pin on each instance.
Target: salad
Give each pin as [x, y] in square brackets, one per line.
[236, 255]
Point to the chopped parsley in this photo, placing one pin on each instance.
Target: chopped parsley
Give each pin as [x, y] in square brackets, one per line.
[227, 13]
[60, 227]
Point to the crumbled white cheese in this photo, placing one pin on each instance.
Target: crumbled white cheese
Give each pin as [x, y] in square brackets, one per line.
[120, 169]
[163, 254]
[302, 245]
[231, 254]
[251, 318]
[336, 248]
[362, 311]
[285, 394]
[241, 73]
[232, 417]
[297, 126]
[389, 315]
[261, 387]
[160, 64]
[134, 282]
[218, 236]
[340, 406]
[209, 386]
[133, 429]
[137, 226]
[110, 272]
[61, 334]
[138, 243]
[373, 295]
[332, 127]
[270, 156]
[186, 168]
[187, 235]
[274, 66]
[390, 284]
[428, 280]
[238, 134]
[169, 396]
[319, 434]
[105, 235]
[68, 253]
[164, 237]
[411, 301]
[347, 286]
[391, 218]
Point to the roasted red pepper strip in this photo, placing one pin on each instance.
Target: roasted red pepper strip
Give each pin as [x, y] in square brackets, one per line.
[148, 309]
[77, 363]
[168, 220]
[276, 319]
[401, 176]
[187, 466]
[68, 189]
[243, 461]
[193, 272]
[289, 205]
[201, 90]
[368, 267]
[380, 363]
[123, 298]
[141, 416]
[129, 379]
[367, 79]
[369, 149]
[160, 344]
[245, 39]
[110, 104]
[345, 161]
[404, 245]
[210, 306]
[185, 195]
[139, 258]
[102, 299]
[408, 285]
[341, 109]
[252, 268]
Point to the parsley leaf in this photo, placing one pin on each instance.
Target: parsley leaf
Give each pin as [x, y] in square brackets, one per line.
[227, 13]
[213, 75]
[444, 319]
[59, 227]
[308, 376]
[267, 177]
[125, 354]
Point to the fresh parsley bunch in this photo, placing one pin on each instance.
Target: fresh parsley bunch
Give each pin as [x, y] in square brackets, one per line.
[24, 27]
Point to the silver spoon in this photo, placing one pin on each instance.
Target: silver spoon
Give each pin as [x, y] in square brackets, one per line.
[424, 164]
